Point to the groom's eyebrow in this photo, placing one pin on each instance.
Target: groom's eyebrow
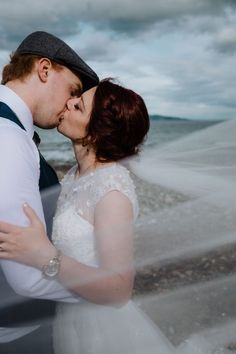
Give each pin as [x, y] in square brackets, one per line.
[77, 90]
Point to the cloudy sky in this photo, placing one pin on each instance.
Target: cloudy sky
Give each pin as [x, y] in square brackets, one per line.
[180, 55]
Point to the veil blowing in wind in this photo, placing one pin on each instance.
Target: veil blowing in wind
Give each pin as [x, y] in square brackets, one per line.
[198, 172]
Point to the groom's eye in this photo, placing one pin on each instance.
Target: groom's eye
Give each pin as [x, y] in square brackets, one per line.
[76, 93]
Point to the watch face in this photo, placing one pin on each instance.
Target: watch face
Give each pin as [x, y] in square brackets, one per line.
[52, 269]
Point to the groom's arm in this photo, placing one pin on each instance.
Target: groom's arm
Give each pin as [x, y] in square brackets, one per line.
[19, 163]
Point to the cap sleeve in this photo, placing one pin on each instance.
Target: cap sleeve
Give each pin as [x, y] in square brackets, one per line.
[115, 178]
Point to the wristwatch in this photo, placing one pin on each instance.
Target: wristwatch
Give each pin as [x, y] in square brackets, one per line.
[51, 269]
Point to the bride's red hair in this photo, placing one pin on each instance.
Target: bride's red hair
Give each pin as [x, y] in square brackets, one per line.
[119, 122]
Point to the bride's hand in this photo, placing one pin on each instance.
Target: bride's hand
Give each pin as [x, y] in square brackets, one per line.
[29, 245]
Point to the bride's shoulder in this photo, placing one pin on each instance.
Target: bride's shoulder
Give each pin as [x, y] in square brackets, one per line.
[116, 178]
[115, 174]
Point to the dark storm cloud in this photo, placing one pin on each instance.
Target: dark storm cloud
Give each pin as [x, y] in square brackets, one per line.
[179, 54]
[19, 18]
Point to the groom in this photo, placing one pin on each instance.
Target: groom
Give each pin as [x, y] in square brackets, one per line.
[43, 73]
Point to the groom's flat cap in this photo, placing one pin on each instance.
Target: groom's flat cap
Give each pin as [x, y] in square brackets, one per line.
[47, 45]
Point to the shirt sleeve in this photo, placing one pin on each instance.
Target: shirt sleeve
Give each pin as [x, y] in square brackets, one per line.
[19, 176]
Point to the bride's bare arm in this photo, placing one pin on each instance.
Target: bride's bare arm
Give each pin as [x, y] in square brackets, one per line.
[112, 281]
[109, 283]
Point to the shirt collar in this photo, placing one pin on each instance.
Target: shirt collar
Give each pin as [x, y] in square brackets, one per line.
[19, 107]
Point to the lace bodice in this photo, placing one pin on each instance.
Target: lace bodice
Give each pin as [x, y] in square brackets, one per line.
[87, 327]
[73, 222]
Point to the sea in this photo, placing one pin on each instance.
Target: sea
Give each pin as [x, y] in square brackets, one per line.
[58, 150]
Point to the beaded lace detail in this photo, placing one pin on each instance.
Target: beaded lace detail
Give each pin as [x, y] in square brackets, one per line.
[87, 327]
[73, 222]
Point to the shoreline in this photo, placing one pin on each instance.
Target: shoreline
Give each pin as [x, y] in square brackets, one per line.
[158, 278]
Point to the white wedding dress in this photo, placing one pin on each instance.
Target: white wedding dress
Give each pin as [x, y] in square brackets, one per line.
[87, 328]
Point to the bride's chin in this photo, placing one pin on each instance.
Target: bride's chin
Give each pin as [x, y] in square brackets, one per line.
[60, 130]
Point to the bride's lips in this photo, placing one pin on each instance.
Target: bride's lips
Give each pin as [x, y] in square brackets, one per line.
[62, 116]
[60, 119]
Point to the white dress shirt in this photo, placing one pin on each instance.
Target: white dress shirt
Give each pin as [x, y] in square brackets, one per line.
[19, 177]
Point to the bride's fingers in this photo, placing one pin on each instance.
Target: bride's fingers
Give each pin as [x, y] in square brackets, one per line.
[6, 252]
[30, 213]
[7, 228]
[6, 249]
[3, 237]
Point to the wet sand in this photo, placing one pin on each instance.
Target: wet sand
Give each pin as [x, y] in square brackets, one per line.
[212, 265]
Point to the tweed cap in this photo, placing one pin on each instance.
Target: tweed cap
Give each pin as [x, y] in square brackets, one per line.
[47, 45]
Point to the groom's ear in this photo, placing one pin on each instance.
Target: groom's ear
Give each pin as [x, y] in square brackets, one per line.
[43, 67]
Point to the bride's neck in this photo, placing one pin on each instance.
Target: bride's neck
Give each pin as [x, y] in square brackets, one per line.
[86, 159]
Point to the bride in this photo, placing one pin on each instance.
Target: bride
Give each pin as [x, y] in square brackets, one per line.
[92, 249]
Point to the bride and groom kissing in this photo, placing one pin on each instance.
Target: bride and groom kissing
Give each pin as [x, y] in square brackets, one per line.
[84, 271]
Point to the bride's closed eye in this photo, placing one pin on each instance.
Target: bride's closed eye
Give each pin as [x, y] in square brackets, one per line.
[77, 107]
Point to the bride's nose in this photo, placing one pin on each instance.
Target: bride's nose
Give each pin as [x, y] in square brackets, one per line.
[71, 103]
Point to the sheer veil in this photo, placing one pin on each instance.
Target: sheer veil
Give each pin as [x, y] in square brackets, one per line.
[196, 176]
[201, 169]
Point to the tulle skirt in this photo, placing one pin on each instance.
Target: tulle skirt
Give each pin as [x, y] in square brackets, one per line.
[96, 329]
